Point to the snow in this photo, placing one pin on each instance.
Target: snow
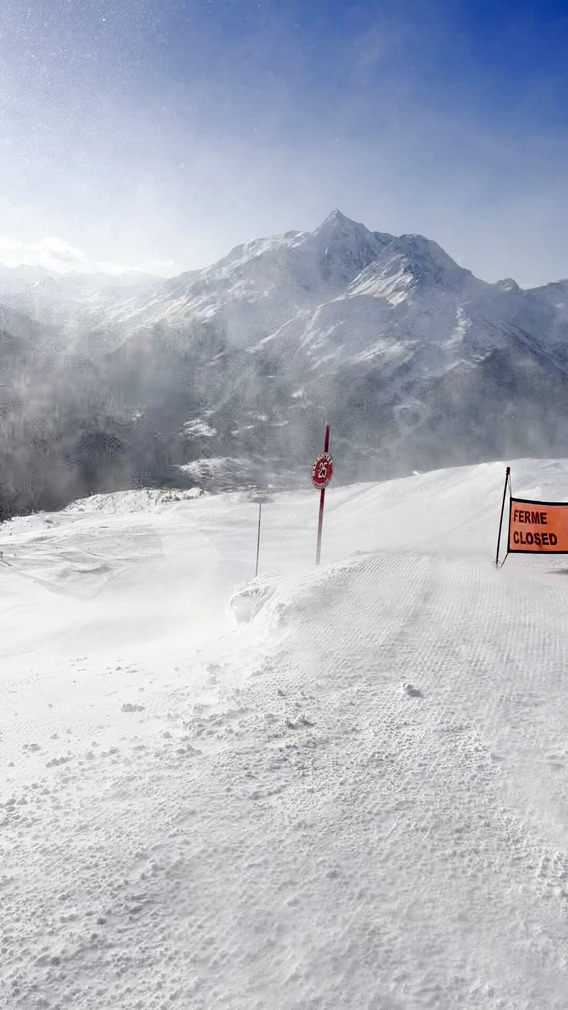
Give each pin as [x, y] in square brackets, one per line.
[410, 311]
[220, 469]
[349, 316]
[333, 787]
[198, 429]
[72, 299]
[263, 283]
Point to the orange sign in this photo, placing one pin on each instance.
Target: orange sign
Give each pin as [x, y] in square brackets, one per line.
[538, 526]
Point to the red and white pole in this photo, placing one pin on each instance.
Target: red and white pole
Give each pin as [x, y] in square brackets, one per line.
[322, 501]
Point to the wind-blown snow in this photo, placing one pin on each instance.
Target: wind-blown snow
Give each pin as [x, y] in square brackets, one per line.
[139, 380]
[342, 787]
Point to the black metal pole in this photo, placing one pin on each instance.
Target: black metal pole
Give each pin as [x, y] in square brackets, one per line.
[507, 479]
[258, 538]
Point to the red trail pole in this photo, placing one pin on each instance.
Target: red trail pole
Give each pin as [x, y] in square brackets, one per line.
[322, 502]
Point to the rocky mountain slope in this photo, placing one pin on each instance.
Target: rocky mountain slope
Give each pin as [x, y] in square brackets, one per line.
[226, 375]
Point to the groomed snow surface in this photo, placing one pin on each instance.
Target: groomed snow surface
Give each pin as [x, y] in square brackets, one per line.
[323, 789]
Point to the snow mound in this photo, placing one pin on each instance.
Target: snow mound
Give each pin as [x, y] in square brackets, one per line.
[247, 602]
[410, 691]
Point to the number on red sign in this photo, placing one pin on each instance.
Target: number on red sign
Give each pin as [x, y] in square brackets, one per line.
[322, 471]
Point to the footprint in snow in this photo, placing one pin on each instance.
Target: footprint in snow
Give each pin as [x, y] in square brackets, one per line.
[410, 691]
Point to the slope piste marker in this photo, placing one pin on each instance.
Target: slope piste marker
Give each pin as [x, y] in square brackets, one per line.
[322, 472]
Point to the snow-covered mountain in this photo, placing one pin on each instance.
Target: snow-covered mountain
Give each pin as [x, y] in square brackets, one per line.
[260, 285]
[76, 303]
[414, 361]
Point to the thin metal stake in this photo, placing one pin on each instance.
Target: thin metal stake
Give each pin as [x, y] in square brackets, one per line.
[507, 482]
[258, 539]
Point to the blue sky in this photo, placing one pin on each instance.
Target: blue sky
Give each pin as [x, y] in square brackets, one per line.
[160, 133]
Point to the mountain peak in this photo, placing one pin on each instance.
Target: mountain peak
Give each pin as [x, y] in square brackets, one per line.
[406, 264]
[337, 220]
[508, 284]
[336, 215]
[426, 258]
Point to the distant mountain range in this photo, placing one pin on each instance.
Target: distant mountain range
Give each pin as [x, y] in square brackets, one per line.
[224, 376]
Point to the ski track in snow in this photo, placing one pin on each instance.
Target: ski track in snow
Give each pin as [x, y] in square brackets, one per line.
[261, 815]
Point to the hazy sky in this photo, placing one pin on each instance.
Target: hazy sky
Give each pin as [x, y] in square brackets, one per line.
[160, 133]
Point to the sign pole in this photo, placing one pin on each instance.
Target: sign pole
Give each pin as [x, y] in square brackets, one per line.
[258, 538]
[507, 480]
[322, 502]
[260, 498]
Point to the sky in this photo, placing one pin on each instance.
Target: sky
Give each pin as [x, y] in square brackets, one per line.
[158, 134]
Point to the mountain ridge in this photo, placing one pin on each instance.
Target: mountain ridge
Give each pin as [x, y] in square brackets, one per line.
[415, 361]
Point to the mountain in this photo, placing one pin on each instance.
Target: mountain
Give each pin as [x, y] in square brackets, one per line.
[224, 376]
[78, 304]
[20, 277]
[260, 285]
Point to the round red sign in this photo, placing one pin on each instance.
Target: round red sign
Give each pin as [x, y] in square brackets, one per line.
[322, 471]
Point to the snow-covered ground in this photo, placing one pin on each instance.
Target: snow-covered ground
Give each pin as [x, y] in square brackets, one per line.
[333, 788]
